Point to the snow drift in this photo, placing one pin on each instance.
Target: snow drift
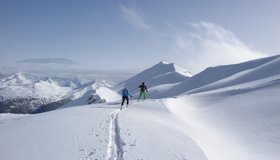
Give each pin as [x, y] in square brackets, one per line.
[242, 126]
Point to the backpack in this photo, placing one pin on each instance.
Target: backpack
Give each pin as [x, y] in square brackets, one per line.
[125, 92]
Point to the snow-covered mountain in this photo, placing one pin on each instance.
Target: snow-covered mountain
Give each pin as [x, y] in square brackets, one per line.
[52, 68]
[223, 113]
[230, 75]
[264, 73]
[20, 89]
[24, 85]
[163, 80]
[158, 78]
[26, 93]
[168, 80]
[97, 92]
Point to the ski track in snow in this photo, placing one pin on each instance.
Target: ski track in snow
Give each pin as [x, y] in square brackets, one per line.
[115, 146]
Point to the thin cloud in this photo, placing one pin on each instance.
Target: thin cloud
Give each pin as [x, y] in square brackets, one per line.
[134, 18]
[48, 61]
[207, 44]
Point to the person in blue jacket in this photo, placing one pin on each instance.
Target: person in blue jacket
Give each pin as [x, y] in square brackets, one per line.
[125, 95]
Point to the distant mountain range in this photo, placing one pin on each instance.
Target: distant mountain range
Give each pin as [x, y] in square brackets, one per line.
[27, 93]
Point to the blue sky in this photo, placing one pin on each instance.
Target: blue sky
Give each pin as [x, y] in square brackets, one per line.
[110, 34]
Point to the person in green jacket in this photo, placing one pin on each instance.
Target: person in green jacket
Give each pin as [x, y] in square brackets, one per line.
[143, 91]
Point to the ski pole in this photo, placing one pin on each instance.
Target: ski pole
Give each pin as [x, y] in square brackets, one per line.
[131, 101]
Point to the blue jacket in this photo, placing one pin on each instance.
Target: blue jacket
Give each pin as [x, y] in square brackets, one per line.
[125, 92]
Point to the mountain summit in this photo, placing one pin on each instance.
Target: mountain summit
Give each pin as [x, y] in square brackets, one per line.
[163, 73]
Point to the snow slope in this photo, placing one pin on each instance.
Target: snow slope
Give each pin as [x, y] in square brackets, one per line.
[230, 126]
[199, 126]
[266, 70]
[168, 80]
[72, 133]
[98, 131]
[157, 78]
[238, 73]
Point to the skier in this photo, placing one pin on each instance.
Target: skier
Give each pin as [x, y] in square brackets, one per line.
[125, 95]
[143, 90]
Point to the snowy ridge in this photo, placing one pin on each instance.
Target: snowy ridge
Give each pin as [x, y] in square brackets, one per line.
[16, 79]
[166, 80]
[247, 71]
[262, 71]
[163, 73]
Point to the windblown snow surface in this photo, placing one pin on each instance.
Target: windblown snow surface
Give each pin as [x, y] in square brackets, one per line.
[223, 113]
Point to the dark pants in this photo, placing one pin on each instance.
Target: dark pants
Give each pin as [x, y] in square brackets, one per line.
[125, 98]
